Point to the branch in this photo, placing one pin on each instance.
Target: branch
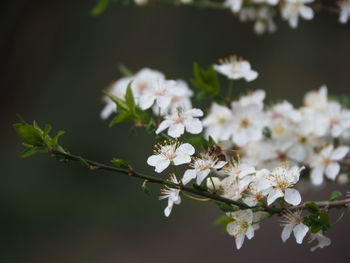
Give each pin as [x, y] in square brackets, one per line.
[130, 172]
[151, 179]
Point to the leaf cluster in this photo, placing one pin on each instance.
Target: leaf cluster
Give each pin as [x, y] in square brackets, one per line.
[207, 81]
[36, 139]
[317, 220]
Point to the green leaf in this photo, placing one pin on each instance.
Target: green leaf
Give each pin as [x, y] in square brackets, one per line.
[126, 72]
[222, 222]
[121, 117]
[312, 208]
[151, 126]
[144, 187]
[30, 151]
[225, 207]
[206, 81]
[83, 162]
[35, 139]
[120, 163]
[57, 136]
[29, 134]
[120, 103]
[129, 98]
[100, 7]
[334, 195]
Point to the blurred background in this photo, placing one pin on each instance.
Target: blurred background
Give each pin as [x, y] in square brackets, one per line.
[56, 58]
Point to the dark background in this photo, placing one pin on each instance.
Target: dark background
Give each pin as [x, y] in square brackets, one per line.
[55, 60]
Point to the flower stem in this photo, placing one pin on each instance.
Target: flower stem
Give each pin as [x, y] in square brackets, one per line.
[151, 179]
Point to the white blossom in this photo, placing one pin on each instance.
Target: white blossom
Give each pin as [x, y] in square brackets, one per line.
[217, 122]
[234, 5]
[239, 177]
[258, 189]
[201, 168]
[180, 95]
[180, 120]
[158, 93]
[323, 241]
[270, 2]
[234, 68]
[172, 194]
[118, 89]
[326, 162]
[141, 2]
[282, 179]
[241, 226]
[247, 123]
[344, 15]
[170, 152]
[293, 222]
[292, 9]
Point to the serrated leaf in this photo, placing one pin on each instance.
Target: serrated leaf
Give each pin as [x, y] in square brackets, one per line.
[334, 195]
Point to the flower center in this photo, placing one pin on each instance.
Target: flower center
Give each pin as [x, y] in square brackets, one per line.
[245, 123]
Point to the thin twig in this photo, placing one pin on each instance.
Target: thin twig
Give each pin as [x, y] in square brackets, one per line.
[152, 179]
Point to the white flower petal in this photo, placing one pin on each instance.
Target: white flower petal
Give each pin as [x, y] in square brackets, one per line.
[292, 196]
[306, 12]
[185, 148]
[146, 101]
[194, 126]
[287, 230]
[300, 231]
[154, 159]
[163, 126]
[317, 175]
[181, 159]
[339, 153]
[250, 232]
[161, 165]
[189, 175]
[176, 130]
[163, 101]
[332, 170]
[196, 112]
[168, 209]
[201, 175]
[273, 195]
[239, 241]
[219, 164]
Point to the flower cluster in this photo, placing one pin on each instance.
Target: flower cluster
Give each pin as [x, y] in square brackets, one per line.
[150, 90]
[315, 135]
[263, 12]
[255, 155]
